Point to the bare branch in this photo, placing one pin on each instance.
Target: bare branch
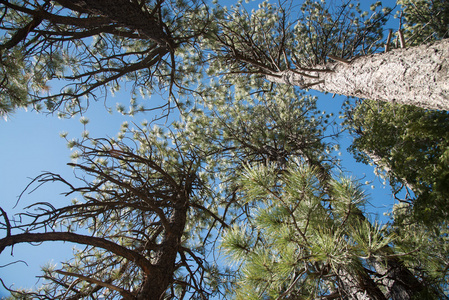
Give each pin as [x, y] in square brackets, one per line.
[133, 256]
[124, 293]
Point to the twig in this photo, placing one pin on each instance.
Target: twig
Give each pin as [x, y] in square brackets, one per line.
[342, 60]
[124, 293]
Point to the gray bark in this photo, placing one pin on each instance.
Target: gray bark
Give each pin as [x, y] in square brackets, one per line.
[416, 76]
[399, 282]
[359, 286]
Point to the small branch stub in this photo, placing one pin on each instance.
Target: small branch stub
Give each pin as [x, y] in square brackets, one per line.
[387, 44]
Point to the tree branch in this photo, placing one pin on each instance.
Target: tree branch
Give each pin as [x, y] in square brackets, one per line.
[124, 293]
[133, 256]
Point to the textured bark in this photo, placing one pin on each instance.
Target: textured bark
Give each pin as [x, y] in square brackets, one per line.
[138, 259]
[416, 76]
[399, 282]
[359, 286]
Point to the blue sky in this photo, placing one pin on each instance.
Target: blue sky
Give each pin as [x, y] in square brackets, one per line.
[30, 145]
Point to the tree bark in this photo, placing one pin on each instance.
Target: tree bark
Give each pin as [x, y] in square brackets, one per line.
[416, 76]
[133, 256]
[359, 286]
[156, 282]
[377, 161]
[399, 282]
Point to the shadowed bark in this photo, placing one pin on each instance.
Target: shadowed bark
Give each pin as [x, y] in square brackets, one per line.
[359, 286]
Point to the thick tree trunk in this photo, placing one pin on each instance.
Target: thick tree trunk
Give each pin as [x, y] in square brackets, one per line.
[359, 286]
[164, 259]
[399, 282]
[416, 76]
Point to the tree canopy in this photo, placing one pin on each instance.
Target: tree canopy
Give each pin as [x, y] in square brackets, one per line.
[246, 167]
[92, 48]
[87, 49]
[407, 143]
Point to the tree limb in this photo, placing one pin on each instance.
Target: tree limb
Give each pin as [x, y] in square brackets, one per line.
[126, 295]
[133, 256]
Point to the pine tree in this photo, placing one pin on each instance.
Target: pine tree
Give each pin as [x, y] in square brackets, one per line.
[135, 220]
[332, 52]
[254, 164]
[309, 240]
[91, 47]
[247, 158]
[409, 144]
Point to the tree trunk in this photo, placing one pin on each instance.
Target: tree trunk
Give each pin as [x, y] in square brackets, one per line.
[416, 76]
[158, 281]
[377, 161]
[359, 286]
[399, 282]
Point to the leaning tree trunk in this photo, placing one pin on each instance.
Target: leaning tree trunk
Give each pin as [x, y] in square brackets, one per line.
[377, 161]
[399, 282]
[416, 76]
[359, 286]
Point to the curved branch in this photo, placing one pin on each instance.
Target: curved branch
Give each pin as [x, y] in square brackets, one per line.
[137, 258]
[7, 223]
[125, 294]
[22, 33]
